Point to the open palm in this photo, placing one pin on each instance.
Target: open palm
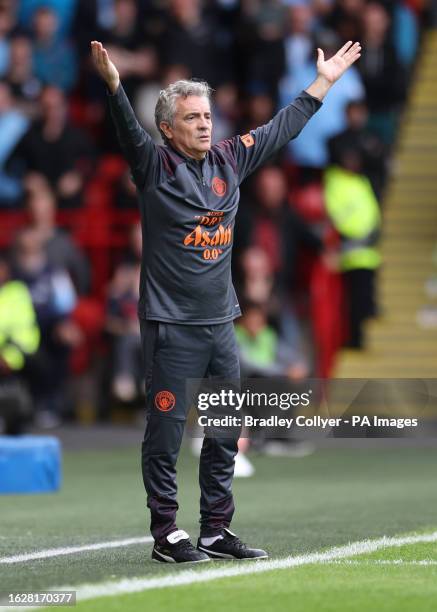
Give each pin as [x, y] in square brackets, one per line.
[333, 68]
[104, 66]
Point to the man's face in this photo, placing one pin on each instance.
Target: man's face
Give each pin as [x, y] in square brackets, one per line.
[271, 189]
[357, 116]
[53, 104]
[192, 126]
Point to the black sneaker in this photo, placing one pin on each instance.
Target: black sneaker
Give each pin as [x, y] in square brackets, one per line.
[231, 547]
[178, 549]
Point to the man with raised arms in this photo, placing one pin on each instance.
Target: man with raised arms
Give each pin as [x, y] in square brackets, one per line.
[189, 193]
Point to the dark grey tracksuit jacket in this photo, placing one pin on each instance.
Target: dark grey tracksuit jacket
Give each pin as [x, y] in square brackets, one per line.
[187, 299]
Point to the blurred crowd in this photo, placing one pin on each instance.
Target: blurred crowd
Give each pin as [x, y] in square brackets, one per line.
[306, 240]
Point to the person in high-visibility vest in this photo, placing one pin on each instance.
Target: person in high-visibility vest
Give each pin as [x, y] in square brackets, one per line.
[19, 338]
[19, 332]
[354, 211]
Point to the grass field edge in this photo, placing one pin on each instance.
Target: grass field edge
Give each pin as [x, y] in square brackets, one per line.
[89, 591]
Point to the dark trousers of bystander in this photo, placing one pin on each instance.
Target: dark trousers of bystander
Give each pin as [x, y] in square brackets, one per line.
[360, 287]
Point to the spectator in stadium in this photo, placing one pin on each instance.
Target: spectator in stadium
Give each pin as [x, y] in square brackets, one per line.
[358, 137]
[256, 280]
[191, 35]
[311, 150]
[299, 39]
[382, 73]
[20, 76]
[64, 10]
[225, 111]
[61, 251]
[121, 27]
[261, 33]
[58, 150]
[122, 322]
[345, 18]
[273, 227]
[91, 17]
[19, 333]
[277, 228]
[6, 27]
[259, 106]
[405, 33]
[262, 352]
[13, 124]
[354, 211]
[54, 298]
[19, 339]
[54, 57]
[126, 42]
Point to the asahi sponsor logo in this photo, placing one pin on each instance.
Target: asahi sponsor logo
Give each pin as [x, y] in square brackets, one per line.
[210, 239]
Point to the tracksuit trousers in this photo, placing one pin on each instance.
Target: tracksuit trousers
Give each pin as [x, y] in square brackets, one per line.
[172, 354]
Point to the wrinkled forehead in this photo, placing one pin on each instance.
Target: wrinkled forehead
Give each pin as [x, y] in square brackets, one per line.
[192, 104]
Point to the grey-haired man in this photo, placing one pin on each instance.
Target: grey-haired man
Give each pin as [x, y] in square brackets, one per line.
[189, 193]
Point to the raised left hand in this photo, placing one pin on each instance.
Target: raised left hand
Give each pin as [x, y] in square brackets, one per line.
[333, 68]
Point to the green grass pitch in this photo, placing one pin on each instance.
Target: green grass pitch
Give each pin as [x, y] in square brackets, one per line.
[291, 507]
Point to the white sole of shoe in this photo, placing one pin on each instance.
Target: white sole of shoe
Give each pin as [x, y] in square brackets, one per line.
[223, 557]
[167, 559]
[182, 562]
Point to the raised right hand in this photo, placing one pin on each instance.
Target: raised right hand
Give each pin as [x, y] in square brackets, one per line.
[104, 66]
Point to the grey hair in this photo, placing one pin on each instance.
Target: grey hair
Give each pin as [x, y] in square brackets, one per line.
[165, 108]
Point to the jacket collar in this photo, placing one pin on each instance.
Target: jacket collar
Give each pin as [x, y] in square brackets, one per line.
[186, 158]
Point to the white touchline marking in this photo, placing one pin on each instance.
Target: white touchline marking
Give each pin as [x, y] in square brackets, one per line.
[385, 562]
[133, 585]
[72, 550]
